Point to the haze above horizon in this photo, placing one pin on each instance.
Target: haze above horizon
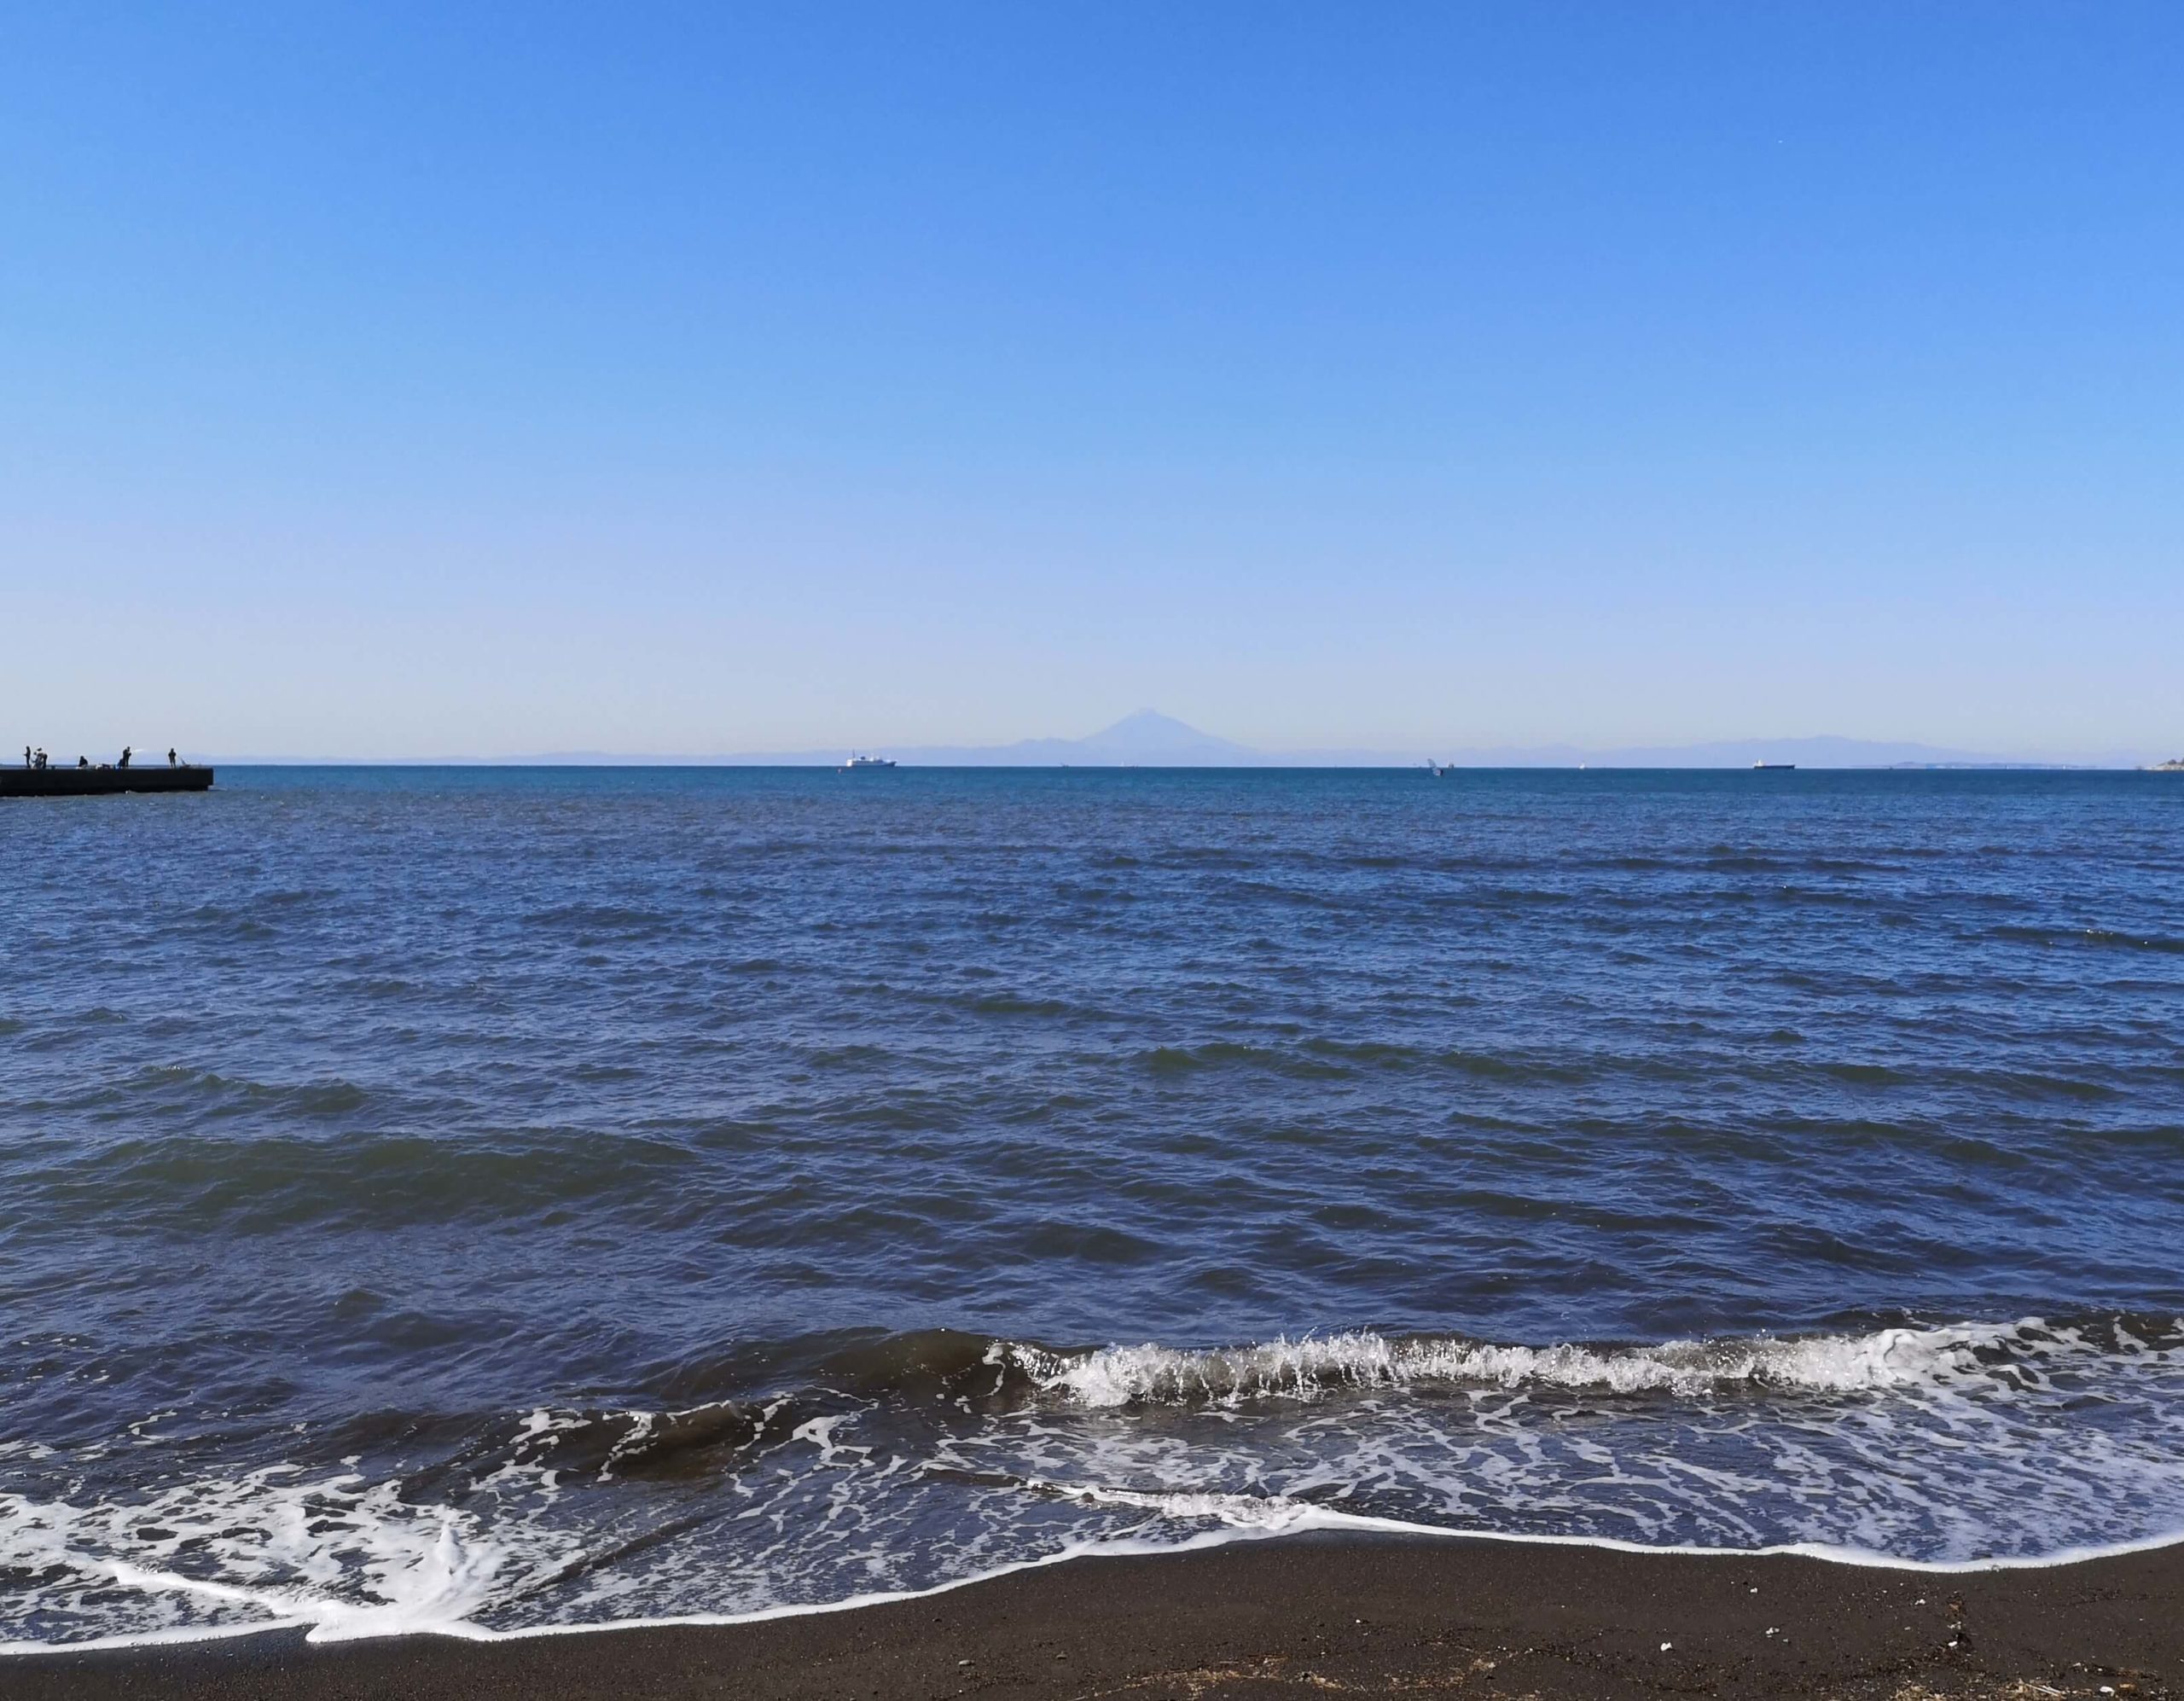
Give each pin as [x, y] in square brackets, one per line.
[397, 382]
[1149, 738]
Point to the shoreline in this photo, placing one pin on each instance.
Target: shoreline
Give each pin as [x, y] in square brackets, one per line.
[1319, 1612]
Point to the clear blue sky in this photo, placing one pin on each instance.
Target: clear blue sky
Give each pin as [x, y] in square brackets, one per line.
[399, 380]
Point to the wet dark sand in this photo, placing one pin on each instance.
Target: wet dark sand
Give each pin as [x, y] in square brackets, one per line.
[1302, 1617]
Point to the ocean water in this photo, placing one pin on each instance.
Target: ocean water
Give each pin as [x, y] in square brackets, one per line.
[502, 1200]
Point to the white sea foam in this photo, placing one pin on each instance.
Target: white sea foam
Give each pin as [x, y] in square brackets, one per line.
[272, 1547]
[1299, 1369]
[1238, 1517]
[1246, 1517]
[1937, 1448]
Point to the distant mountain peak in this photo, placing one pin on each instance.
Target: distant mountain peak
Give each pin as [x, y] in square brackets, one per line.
[1150, 717]
[1154, 733]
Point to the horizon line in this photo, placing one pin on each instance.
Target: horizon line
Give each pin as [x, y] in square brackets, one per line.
[797, 763]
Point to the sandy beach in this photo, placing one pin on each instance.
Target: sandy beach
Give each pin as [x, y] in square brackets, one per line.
[1307, 1615]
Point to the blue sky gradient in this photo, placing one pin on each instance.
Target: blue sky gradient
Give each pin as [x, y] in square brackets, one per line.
[407, 379]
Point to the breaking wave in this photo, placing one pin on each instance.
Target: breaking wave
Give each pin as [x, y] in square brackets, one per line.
[895, 1465]
[1830, 1364]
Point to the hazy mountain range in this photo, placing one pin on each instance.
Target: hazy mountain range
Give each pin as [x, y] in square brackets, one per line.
[1149, 738]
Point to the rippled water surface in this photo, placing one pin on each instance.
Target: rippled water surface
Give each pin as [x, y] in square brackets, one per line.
[489, 1199]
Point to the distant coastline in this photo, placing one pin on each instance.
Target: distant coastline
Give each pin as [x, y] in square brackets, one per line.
[1149, 738]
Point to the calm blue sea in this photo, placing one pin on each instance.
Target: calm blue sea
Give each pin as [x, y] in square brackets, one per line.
[493, 1200]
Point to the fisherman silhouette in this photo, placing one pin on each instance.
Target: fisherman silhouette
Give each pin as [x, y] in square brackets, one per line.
[126, 753]
[171, 758]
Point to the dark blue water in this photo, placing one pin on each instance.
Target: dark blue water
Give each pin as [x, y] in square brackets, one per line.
[496, 1199]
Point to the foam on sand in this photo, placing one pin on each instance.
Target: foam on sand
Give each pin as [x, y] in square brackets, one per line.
[1958, 1447]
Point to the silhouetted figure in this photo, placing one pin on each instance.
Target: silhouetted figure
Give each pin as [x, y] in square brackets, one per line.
[126, 753]
[83, 762]
[171, 762]
[27, 763]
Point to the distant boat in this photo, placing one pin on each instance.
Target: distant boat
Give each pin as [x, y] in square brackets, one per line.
[1773, 767]
[105, 780]
[857, 764]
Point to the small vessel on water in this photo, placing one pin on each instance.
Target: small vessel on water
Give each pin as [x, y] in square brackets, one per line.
[1773, 767]
[859, 763]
